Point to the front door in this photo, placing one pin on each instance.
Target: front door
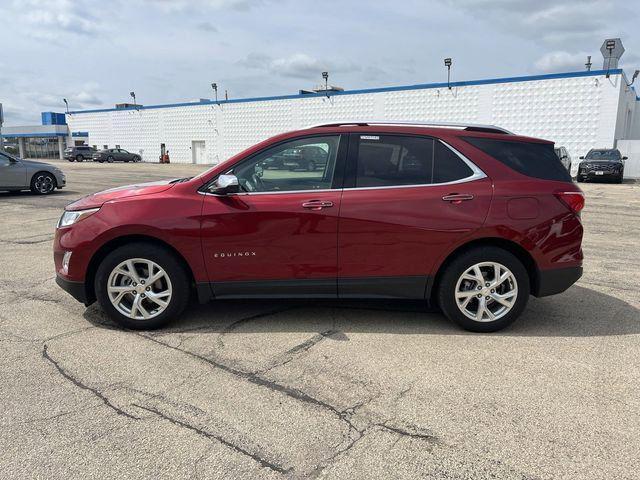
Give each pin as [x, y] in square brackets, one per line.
[12, 172]
[278, 236]
[406, 200]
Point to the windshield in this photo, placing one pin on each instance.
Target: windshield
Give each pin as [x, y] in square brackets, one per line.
[606, 155]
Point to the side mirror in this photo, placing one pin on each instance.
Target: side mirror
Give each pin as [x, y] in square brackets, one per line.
[625, 158]
[581, 158]
[226, 184]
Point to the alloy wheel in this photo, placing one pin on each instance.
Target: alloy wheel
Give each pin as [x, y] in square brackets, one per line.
[44, 183]
[139, 289]
[486, 291]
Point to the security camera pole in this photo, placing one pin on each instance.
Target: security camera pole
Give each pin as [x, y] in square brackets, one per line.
[447, 63]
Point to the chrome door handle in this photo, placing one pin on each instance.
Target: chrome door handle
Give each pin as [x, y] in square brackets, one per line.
[457, 197]
[317, 204]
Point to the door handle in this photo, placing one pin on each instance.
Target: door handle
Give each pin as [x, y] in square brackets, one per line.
[317, 204]
[456, 198]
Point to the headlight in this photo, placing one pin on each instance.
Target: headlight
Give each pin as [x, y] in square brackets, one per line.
[69, 218]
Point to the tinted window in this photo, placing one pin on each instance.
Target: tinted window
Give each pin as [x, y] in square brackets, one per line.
[4, 161]
[302, 164]
[448, 166]
[537, 160]
[388, 160]
[604, 155]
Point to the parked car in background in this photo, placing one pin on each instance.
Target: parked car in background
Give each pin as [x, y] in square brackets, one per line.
[79, 153]
[306, 157]
[602, 163]
[17, 174]
[565, 158]
[115, 155]
[466, 217]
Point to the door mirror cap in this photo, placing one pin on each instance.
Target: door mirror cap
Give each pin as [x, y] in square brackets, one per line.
[625, 158]
[226, 184]
[581, 158]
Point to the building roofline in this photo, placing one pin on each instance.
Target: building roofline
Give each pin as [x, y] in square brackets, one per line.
[420, 86]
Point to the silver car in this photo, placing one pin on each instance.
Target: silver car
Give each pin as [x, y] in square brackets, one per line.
[18, 174]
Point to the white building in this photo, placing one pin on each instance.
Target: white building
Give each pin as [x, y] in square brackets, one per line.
[580, 110]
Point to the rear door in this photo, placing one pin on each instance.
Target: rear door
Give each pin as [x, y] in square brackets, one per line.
[406, 200]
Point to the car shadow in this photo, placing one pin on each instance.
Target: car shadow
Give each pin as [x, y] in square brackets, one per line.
[579, 312]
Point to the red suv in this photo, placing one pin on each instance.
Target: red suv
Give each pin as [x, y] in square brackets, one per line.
[469, 217]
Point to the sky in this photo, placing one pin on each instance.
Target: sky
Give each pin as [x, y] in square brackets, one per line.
[94, 52]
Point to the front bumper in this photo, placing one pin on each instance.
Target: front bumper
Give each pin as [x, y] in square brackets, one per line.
[76, 289]
[552, 282]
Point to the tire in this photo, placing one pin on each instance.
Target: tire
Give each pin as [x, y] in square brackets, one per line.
[71, 159]
[452, 282]
[126, 161]
[110, 159]
[580, 179]
[620, 178]
[178, 285]
[43, 183]
[136, 159]
[79, 158]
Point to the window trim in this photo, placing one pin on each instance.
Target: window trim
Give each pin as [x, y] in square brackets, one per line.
[337, 182]
[352, 164]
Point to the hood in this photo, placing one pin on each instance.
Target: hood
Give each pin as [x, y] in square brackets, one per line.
[98, 199]
[31, 163]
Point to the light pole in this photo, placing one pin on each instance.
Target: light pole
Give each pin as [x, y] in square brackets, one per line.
[588, 64]
[215, 89]
[66, 105]
[447, 63]
[133, 95]
[325, 76]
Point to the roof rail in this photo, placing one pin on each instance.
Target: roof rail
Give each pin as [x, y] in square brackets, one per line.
[472, 127]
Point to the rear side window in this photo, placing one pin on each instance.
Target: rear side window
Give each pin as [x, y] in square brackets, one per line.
[448, 167]
[537, 160]
[389, 160]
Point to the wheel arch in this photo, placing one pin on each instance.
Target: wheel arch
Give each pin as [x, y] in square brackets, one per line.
[115, 243]
[510, 246]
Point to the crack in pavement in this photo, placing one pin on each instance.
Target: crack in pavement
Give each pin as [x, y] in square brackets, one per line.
[298, 350]
[264, 463]
[233, 325]
[79, 384]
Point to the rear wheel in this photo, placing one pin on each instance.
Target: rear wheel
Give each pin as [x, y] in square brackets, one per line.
[43, 183]
[110, 159]
[484, 289]
[142, 286]
[79, 158]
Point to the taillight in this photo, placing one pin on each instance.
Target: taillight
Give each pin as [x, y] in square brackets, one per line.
[573, 200]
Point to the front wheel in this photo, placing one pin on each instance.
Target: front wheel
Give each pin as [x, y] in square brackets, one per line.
[142, 286]
[484, 289]
[79, 158]
[43, 183]
[110, 159]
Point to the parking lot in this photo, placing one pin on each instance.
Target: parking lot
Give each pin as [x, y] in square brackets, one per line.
[317, 389]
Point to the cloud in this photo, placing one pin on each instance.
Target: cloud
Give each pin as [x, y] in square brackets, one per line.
[561, 61]
[207, 27]
[301, 65]
[48, 19]
[181, 5]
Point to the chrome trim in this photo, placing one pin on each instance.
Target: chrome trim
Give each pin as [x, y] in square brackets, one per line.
[366, 123]
[477, 175]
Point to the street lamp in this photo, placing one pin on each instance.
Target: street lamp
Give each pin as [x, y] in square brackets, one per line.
[133, 95]
[447, 63]
[325, 76]
[215, 89]
[66, 104]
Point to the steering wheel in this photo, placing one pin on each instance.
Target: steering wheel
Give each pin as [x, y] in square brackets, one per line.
[252, 184]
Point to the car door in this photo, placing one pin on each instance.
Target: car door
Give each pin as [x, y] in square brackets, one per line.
[12, 172]
[406, 200]
[278, 236]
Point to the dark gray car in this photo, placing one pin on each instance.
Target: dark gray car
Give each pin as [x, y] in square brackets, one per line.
[115, 155]
[79, 153]
[17, 174]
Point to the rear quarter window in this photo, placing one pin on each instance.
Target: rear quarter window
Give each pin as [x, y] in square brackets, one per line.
[538, 160]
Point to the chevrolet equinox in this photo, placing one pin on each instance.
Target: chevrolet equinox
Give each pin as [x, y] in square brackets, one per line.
[471, 218]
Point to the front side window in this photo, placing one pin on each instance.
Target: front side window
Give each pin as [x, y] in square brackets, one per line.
[302, 164]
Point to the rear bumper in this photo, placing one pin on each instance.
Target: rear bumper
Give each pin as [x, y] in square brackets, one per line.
[76, 289]
[552, 282]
